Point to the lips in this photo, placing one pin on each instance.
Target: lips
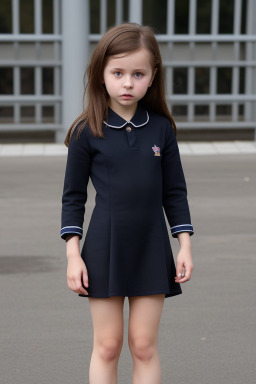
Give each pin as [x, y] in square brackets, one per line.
[126, 95]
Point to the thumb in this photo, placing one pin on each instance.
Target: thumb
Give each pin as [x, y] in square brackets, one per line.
[85, 278]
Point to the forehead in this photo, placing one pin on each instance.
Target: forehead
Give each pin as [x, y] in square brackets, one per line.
[140, 58]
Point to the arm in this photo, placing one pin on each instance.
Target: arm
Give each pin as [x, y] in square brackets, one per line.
[76, 179]
[73, 206]
[174, 199]
[176, 206]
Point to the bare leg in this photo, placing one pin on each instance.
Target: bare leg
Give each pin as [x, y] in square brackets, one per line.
[107, 318]
[144, 319]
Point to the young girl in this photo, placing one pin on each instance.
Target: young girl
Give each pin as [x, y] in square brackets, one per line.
[125, 140]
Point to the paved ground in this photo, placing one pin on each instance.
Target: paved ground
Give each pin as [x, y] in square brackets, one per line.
[186, 148]
[207, 334]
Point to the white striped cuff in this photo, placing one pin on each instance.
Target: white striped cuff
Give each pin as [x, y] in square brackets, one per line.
[182, 228]
[71, 229]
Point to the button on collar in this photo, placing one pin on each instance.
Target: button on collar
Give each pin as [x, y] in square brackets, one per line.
[128, 129]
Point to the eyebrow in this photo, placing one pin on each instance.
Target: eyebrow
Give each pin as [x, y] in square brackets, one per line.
[121, 69]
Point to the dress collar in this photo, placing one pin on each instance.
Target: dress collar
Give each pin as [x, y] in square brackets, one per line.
[139, 119]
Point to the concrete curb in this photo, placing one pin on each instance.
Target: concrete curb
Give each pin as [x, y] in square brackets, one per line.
[186, 148]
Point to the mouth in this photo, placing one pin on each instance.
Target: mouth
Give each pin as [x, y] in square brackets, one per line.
[126, 95]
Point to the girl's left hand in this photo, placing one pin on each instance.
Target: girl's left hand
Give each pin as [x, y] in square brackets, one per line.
[184, 260]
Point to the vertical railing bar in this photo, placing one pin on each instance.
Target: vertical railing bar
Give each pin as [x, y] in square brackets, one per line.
[16, 70]
[235, 70]
[214, 45]
[170, 31]
[248, 57]
[119, 12]
[56, 47]
[191, 71]
[135, 11]
[103, 16]
[38, 69]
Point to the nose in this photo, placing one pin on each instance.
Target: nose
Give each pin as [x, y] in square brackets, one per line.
[128, 82]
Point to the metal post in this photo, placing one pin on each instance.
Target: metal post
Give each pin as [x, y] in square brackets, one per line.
[135, 11]
[75, 47]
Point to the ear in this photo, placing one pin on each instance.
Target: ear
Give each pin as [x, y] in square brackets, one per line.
[153, 76]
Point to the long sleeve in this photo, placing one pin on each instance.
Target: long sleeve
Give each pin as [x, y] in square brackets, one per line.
[175, 201]
[76, 179]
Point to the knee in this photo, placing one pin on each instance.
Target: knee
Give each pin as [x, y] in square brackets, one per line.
[143, 348]
[109, 349]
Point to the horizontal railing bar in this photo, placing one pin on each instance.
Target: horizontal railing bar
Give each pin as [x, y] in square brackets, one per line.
[7, 99]
[229, 98]
[186, 38]
[29, 37]
[215, 125]
[30, 127]
[220, 63]
[29, 63]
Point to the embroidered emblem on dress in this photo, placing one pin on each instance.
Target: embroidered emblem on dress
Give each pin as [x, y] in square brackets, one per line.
[156, 150]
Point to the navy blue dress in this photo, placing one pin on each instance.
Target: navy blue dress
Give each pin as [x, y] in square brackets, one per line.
[137, 172]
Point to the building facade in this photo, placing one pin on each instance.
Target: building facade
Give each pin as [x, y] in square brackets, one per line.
[208, 49]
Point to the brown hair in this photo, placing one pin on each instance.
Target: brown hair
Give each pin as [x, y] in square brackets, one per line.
[123, 38]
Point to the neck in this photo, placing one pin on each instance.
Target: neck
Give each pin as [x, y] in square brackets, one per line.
[126, 112]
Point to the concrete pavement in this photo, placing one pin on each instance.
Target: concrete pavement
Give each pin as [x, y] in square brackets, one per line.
[206, 335]
[186, 148]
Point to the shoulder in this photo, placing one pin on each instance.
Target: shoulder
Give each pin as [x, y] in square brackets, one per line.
[80, 137]
[161, 122]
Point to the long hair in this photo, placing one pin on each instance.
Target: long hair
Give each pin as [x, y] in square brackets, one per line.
[121, 39]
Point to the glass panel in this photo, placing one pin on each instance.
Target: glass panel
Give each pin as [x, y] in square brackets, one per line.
[154, 14]
[181, 16]
[223, 112]
[111, 6]
[202, 112]
[6, 81]
[224, 80]
[95, 16]
[202, 80]
[6, 115]
[27, 114]
[26, 16]
[126, 9]
[47, 9]
[180, 80]
[241, 112]
[27, 80]
[47, 78]
[242, 80]
[226, 16]
[26, 51]
[5, 16]
[203, 17]
[179, 112]
[243, 21]
[48, 114]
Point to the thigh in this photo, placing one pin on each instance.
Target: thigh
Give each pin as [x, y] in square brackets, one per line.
[107, 317]
[144, 316]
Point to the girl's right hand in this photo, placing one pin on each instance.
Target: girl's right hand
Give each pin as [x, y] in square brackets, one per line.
[77, 274]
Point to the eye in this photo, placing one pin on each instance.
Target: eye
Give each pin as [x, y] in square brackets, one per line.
[138, 75]
[118, 74]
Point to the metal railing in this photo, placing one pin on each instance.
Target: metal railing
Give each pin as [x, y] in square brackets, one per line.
[242, 57]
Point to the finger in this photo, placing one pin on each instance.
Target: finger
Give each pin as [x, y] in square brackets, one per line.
[179, 269]
[79, 286]
[184, 278]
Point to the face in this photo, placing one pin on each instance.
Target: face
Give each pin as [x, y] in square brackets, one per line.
[127, 78]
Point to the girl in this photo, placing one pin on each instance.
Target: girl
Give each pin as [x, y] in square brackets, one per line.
[125, 141]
